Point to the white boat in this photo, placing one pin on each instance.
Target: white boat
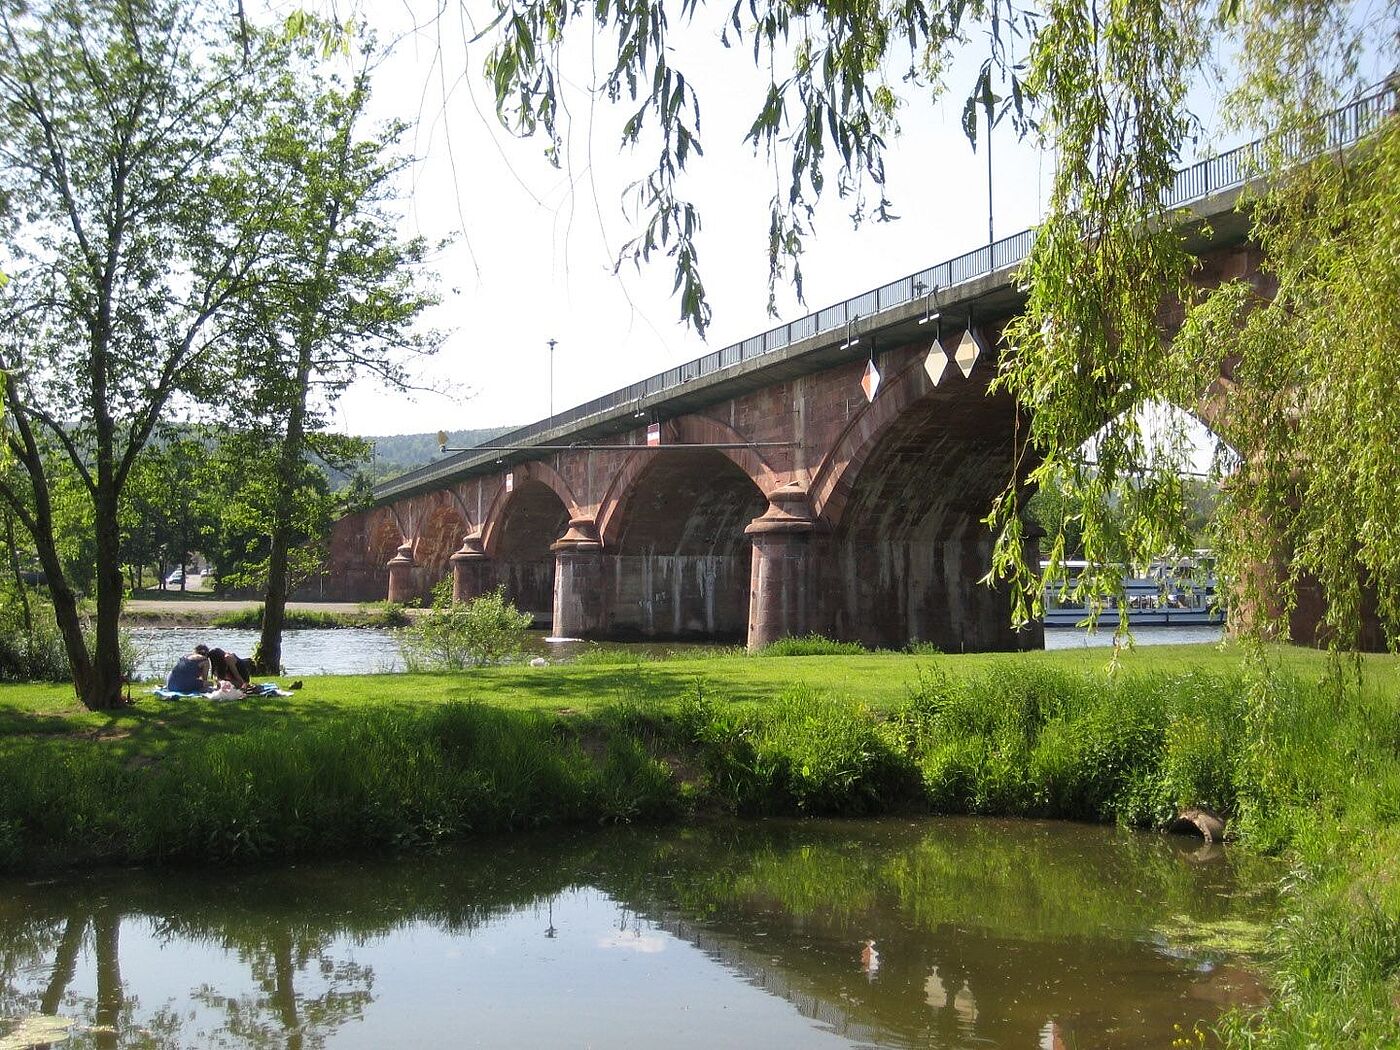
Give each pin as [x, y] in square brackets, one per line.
[1176, 593]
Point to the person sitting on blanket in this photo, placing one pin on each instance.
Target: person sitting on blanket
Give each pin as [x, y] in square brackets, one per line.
[232, 667]
[191, 673]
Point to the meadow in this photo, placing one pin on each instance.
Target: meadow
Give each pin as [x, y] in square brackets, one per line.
[1299, 751]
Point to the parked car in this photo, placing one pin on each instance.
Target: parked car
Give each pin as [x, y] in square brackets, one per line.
[175, 578]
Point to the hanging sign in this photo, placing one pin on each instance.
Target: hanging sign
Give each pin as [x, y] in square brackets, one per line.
[968, 350]
[653, 433]
[870, 382]
[936, 363]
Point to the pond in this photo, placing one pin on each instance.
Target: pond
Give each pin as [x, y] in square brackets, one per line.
[370, 651]
[891, 933]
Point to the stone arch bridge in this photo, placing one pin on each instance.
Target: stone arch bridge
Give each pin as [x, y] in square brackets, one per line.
[778, 497]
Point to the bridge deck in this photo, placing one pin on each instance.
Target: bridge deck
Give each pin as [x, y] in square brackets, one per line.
[981, 281]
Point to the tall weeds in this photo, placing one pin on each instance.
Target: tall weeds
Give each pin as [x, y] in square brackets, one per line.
[382, 614]
[388, 779]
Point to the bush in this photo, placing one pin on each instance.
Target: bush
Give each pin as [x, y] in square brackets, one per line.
[37, 653]
[453, 636]
[811, 645]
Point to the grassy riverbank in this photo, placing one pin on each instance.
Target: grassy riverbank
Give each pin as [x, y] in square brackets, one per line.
[173, 609]
[388, 762]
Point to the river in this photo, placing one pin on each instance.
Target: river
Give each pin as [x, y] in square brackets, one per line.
[887, 933]
[371, 651]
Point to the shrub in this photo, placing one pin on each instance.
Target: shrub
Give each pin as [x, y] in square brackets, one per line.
[454, 635]
[811, 645]
[36, 653]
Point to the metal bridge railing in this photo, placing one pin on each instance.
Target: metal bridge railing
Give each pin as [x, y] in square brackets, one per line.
[1342, 128]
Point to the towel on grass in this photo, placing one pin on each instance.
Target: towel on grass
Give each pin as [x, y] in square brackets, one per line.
[266, 689]
[175, 694]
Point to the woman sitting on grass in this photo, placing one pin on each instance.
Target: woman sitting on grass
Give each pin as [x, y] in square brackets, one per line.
[231, 667]
[191, 673]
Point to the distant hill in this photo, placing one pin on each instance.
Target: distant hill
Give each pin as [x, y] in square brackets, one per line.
[396, 453]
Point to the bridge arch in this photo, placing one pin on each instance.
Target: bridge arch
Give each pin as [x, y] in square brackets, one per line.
[904, 490]
[440, 531]
[383, 534]
[526, 478]
[900, 394]
[678, 559]
[686, 430]
[520, 530]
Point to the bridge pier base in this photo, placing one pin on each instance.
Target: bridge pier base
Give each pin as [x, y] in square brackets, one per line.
[472, 574]
[782, 583]
[401, 574]
[578, 582]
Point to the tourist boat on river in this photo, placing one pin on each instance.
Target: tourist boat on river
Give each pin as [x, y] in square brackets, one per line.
[1175, 593]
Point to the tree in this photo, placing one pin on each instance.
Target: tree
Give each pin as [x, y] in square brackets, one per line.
[115, 118]
[358, 494]
[248, 474]
[1105, 85]
[336, 296]
[168, 508]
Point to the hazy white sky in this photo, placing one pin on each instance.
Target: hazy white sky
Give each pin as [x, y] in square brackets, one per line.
[534, 245]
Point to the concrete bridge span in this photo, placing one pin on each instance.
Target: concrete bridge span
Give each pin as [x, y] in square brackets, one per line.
[784, 497]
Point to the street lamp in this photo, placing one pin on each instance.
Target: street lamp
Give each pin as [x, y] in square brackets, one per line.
[989, 100]
[552, 344]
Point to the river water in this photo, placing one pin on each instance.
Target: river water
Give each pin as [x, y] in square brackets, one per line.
[370, 651]
[889, 933]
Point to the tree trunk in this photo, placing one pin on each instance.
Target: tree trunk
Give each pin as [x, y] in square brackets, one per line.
[20, 589]
[65, 964]
[267, 657]
[65, 602]
[284, 993]
[111, 998]
[105, 685]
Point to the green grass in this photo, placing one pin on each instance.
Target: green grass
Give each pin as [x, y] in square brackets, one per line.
[381, 615]
[1300, 767]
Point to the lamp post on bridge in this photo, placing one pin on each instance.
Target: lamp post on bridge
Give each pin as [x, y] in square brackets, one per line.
[989, 100]
[983, 95]
[552, 344]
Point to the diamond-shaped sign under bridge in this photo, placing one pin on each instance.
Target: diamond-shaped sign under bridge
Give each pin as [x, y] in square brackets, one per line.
[870, 382]
[936, 363]
[968, 350]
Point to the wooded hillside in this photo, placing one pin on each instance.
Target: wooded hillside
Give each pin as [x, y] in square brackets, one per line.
[396, 453]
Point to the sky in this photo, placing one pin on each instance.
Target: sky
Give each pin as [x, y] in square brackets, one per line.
[532, 246]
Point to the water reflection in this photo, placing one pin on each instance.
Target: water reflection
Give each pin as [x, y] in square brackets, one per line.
[944, 933]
